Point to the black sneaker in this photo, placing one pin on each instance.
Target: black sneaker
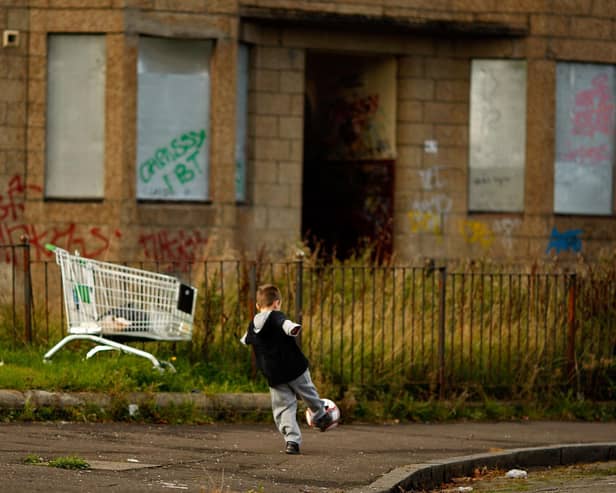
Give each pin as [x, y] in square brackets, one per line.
[292, 448]
[324, 421]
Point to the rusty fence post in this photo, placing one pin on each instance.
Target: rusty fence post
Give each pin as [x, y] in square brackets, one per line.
[27, 290]
[252, 300]
[442, 287]
[299, 291]
[571, 327]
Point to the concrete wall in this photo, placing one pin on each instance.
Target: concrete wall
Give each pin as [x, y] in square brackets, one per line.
[434, 42]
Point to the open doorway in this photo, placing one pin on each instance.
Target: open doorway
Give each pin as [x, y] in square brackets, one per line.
[349, 153]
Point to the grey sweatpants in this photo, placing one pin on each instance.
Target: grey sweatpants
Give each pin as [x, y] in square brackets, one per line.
[284, 405]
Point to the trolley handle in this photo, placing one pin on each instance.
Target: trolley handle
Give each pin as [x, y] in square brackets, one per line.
[57, 250]
[60, 252]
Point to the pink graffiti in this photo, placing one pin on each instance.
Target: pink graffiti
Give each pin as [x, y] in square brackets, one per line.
[174, 246]
[588, 155]
[594, 109]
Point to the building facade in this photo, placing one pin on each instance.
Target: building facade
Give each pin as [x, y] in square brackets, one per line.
[179, 130]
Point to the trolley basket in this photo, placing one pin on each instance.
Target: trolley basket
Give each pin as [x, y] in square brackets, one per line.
[111, 304]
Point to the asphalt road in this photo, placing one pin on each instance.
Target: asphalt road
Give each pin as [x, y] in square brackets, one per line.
[250, 458]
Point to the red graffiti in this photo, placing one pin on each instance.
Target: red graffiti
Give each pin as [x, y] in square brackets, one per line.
[174, 246]
[12, 202]
[352, 121]
[92, 244]
[594, 109]
[163, 246]
[351, 117]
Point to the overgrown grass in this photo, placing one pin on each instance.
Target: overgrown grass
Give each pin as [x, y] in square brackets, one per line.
[373, 334]
[117, 375]
[24, 369]
[383, 406]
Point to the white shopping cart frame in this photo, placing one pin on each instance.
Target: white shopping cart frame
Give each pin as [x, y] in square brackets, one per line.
[111, 304]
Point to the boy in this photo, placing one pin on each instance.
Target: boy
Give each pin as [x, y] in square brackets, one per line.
[284, 365]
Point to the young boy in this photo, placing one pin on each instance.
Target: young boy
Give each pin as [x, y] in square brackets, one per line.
[284, 365]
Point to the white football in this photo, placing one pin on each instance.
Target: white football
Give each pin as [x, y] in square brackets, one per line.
[331, 408]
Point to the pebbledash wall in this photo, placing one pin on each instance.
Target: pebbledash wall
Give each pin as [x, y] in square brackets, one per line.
[479, 170]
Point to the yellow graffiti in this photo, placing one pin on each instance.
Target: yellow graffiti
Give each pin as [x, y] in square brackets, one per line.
[475, 232]
[425, 222]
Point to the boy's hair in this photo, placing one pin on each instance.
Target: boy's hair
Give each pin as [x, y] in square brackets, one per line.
[267, 294]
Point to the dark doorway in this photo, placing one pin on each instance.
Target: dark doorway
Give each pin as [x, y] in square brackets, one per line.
[349, 135]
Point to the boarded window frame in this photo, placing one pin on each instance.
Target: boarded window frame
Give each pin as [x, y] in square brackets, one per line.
[497, 144]
[75, 122]
[583, 163]
[174, 165]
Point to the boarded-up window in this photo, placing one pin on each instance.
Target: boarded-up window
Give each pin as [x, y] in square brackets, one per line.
[241, 123]
[75, 116]
[173, 115]
[585, 97]
[497, 135]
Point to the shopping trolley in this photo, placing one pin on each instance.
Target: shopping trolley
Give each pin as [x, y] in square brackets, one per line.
[112, 304]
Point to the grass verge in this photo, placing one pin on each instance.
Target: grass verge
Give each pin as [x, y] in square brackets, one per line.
[118, 375]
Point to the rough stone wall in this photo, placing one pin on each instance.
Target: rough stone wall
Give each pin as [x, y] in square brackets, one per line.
[433, 103]
[276, 136]
[433, 88]
[13, 116]
[119, 227]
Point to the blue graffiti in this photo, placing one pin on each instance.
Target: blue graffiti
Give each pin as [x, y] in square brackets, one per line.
[565, 241]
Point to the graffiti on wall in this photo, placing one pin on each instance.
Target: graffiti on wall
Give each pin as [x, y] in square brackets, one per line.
[585, 114]
[504, 229]
[566, 241]
[427, 215]
[163, 246]
[476, 233]
[353, 105]
[430, 178]
[593, 113]
[356, 131]
[12, 200]
[173, 165]
[92, 242]
[179, 247]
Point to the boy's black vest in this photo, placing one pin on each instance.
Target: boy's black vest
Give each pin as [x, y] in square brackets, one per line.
[278, 355]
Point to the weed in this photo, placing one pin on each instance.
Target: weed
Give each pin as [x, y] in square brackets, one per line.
[69, 462]
[33, 459]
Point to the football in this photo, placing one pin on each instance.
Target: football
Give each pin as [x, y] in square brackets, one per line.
[331, 408]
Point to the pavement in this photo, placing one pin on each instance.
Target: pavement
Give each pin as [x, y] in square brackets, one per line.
[249, 458]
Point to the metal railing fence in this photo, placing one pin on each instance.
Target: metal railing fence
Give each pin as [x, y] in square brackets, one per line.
[394, 326]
